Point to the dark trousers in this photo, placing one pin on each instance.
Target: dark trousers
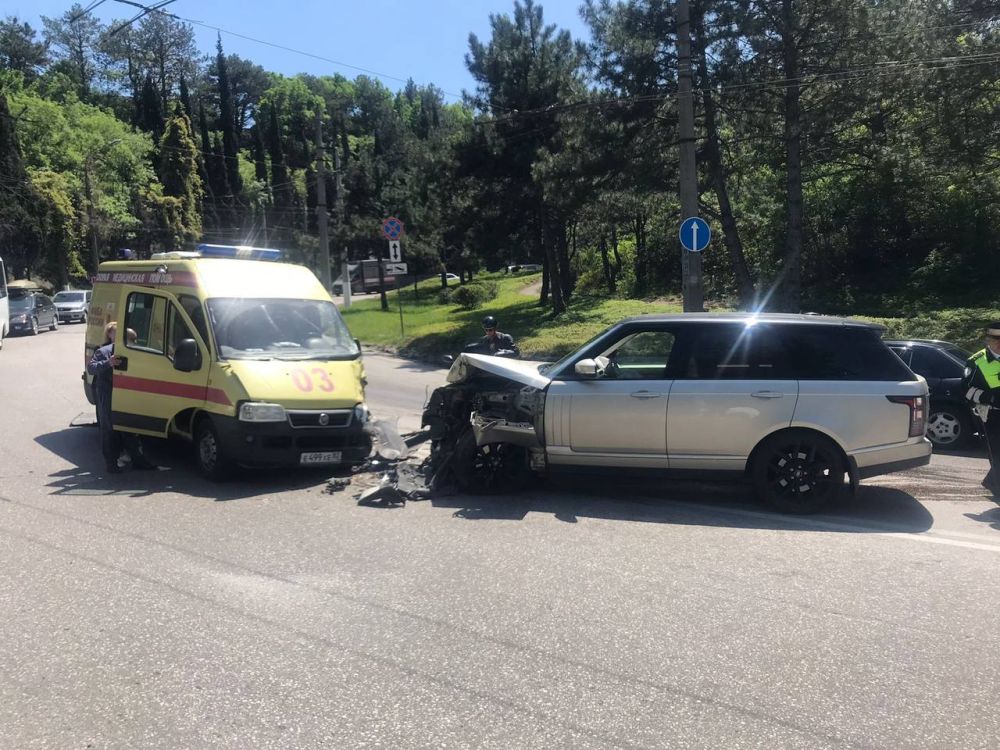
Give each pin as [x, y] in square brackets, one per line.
[992, 431]
[112, 443]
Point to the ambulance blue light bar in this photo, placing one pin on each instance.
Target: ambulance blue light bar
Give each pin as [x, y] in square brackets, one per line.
[242, 252]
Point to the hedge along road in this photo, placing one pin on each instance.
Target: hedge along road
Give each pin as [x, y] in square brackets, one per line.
[578, 615]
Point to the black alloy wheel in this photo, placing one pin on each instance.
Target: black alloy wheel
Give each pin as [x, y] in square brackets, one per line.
[798, 472]
[490, 469]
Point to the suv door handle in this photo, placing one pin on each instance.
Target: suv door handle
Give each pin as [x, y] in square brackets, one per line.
[767, 394]
[645, 394]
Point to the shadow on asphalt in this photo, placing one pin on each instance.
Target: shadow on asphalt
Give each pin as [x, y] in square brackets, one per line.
[990, 517]
[732, 505]
[81, 446]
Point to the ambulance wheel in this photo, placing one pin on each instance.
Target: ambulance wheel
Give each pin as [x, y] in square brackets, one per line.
[208, 452]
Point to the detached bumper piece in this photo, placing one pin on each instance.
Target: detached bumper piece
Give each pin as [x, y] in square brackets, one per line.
[280, 444]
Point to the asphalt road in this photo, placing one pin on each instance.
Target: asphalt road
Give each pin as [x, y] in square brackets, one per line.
[156, 610]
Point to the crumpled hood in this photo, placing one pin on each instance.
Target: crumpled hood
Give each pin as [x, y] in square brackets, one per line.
[518, 370]
[311, 384]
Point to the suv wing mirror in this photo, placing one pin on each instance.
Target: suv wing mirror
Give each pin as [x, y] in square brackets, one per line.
[591, 368]
[187, 356]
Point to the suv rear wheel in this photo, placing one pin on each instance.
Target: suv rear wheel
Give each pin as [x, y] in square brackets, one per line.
[798, 471]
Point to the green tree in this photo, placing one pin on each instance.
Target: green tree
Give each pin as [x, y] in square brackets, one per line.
[179, 176]
[227, 123]
[20, 50]
[74, 39]
[524, 72]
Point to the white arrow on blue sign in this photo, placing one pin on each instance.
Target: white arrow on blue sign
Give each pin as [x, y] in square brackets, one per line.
[695, 234]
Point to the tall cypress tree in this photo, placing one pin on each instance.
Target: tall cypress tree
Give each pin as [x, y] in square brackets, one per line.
[259, 155]
[186, 101]
[279, 173]
[149, 116]
[17, 228]
[203, 167]
[227, 123]
[179, 174]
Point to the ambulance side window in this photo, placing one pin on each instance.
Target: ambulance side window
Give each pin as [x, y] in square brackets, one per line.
[192, 306]
[145, 315]
[177, 331]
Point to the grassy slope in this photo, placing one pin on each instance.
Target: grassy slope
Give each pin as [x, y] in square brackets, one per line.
[433, 329]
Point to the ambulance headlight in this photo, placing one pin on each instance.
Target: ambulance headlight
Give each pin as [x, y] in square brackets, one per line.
[361, 414]
[253, 411]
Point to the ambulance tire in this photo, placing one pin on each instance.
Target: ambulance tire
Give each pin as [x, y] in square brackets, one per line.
[212, 462]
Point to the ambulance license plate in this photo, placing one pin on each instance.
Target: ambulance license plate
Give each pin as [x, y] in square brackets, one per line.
[326, 457]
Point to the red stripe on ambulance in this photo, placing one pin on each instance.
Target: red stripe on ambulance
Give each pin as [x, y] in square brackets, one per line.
[166, 388]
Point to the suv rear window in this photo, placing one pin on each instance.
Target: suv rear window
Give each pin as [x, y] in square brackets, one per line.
[841, 353]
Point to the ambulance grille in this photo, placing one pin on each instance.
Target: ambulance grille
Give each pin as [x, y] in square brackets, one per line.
[334, 418]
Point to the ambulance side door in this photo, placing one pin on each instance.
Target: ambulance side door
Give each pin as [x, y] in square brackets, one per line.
[148, 389]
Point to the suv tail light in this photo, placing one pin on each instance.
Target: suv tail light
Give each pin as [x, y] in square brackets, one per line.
[918, 412]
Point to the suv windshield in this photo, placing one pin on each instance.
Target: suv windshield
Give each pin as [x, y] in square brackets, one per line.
[286, 329]
[69, 297]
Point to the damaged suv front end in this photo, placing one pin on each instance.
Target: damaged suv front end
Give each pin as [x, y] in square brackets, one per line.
[487, 424]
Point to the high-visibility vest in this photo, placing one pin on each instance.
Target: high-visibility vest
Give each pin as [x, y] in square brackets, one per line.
[990, 368]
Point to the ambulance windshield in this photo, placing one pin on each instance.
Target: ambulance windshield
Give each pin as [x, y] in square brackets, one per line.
[288, 329]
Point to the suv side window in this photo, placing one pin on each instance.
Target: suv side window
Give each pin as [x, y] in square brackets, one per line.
[718, 351]
[841, 353]
[643, 356]
[145, 315]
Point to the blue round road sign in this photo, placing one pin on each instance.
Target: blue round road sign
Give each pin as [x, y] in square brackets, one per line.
[392, 228]
[695, 234]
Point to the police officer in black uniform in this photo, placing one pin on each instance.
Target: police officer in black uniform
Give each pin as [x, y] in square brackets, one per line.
[495, 342]
[982, 389]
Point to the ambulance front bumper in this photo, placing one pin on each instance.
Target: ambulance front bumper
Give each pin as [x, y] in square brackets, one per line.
[282, 444]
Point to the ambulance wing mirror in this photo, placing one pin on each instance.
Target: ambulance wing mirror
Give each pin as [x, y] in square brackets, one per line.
[187, 357]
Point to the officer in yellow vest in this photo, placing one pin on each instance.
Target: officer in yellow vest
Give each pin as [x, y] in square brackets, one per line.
[982, 389]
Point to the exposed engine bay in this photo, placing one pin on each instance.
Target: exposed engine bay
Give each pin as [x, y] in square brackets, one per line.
[487, 425]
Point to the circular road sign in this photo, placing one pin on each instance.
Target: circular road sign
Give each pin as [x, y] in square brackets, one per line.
[392, 228]
[695, 234]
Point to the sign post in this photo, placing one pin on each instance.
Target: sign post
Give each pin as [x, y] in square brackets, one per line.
[392, 230]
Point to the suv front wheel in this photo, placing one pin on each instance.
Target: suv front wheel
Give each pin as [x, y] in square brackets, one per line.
[798, 471]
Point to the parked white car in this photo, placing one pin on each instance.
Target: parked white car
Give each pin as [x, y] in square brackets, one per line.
[792, 402]
[73, 304]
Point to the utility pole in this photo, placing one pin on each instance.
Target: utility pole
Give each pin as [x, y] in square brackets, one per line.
[321, 215]
[345, 271]
[95, 254]
[694, 299]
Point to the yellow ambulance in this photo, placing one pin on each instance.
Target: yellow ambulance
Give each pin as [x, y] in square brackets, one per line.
[244, 355]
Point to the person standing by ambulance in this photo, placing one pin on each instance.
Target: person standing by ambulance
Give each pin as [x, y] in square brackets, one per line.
[101, 368]
[982, 389]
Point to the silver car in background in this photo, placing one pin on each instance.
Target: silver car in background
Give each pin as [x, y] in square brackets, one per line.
[73, 305]
[794, 403]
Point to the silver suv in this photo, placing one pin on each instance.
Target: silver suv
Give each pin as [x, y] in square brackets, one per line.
[793, 403]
